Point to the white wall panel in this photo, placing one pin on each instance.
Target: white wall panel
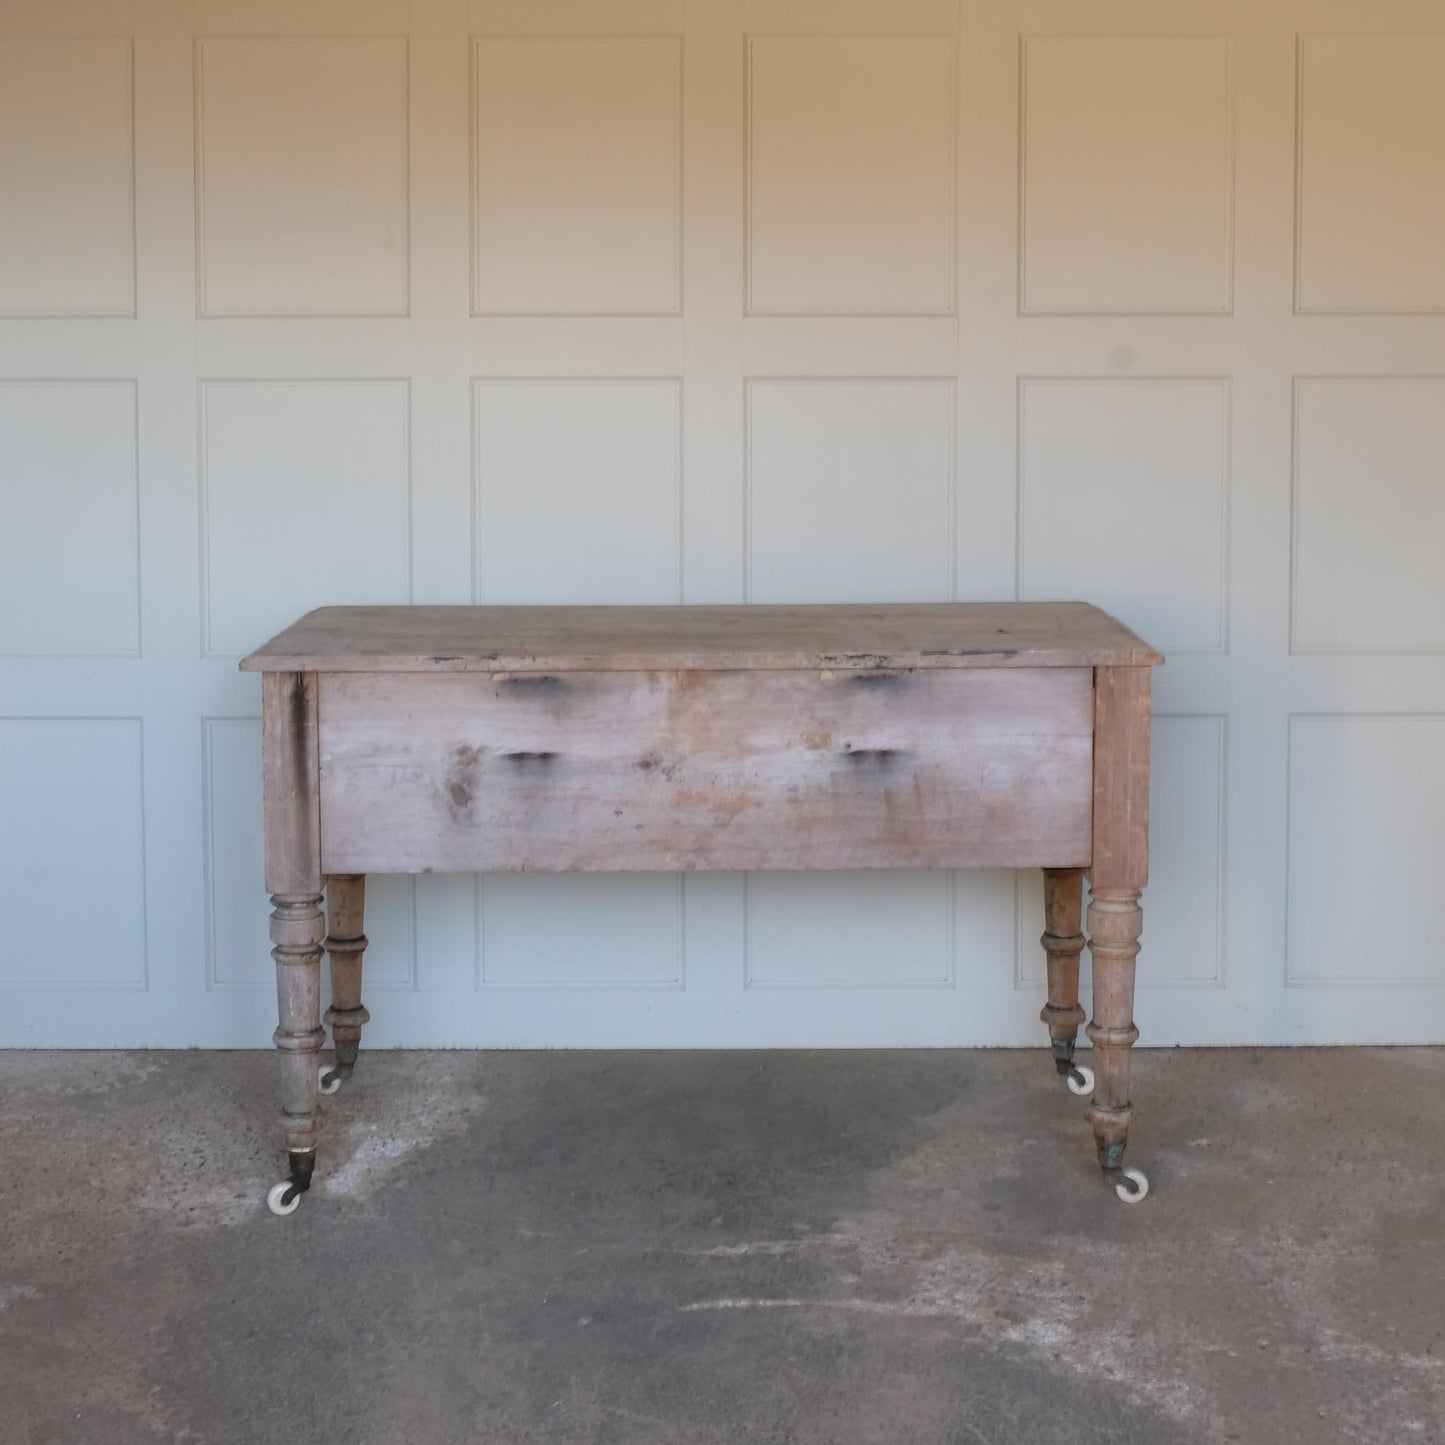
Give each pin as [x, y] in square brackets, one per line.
[850, 202]
[578, 490]
[578, 176]
[1371, 228]
[1366, 850]
[72, 851]
[1123, 489]
[543, 930]
[1369, 514]
[850, 930]
[69, 565]
[306, 502]
[850, 490]
[1127, 175]
[67, 206]
[737, 300]
[301, 162]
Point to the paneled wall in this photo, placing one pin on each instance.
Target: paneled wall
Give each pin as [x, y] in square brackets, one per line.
[323, 301]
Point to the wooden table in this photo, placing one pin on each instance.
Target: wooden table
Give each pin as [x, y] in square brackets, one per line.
[606, 739]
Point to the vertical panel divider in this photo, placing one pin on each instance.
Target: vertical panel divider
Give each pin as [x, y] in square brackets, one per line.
[713, 538]
[441, 401]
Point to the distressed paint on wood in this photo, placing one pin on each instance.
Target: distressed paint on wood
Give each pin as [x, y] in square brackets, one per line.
[610, 639]
[606, 772]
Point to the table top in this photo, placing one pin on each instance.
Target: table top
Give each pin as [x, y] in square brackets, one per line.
[696, 638]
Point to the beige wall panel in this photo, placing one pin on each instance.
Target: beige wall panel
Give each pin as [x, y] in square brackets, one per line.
[69, 564]
[578, 176]
[1369, 515]
[67, 208]
[301, 162]
[1126, 175]
[1123, 501]
[1371, 219]
[305, 500]
[850, 193]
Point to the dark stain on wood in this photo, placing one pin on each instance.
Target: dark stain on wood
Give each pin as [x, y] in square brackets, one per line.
[545, 683]
[461, 779]
[531, 760]
[872, 757]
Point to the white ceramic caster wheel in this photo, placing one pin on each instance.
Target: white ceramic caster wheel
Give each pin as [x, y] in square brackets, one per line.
[276, 1195]
[1140, 1189]
[1080, 1080]
[328, 1080]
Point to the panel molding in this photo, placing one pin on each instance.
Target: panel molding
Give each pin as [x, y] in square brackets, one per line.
[1226, 309]
[203, 310]
[476, 383]
[1296, 648]
[1225, 487]
[482, 984]
[1306, 982]
[1302, 39]
[948, 979]
[130, 312]
[950, 481]
[475, 41]
[203, 387]
[141, 984]
[751, 40]
[76, 654]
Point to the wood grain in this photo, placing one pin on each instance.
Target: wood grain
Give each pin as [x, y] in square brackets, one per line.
[1121, 778]
[289, 785]
[610, 639]
[607, 772]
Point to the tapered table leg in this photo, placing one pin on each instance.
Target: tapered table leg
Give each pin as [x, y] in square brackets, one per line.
[345, 945]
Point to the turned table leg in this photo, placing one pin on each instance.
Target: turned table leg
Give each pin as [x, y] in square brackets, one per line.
[345, 945]
[1115, 923]
[296, 931]
[1063, 943]
[1117, 874]
[293, 878]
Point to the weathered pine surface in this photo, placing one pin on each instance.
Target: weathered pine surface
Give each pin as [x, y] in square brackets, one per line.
[613, 639]
[612, 771]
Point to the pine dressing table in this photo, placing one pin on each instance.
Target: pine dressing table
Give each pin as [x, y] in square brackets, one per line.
[603, 739]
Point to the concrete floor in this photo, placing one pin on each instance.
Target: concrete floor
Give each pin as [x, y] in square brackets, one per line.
[689, 1248]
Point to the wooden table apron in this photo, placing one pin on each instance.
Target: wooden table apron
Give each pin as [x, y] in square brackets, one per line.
[413, 740]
